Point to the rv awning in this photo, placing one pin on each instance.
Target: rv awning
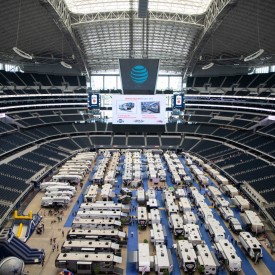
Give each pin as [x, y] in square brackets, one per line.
[132, 257]
[121, 234]
[117, 223]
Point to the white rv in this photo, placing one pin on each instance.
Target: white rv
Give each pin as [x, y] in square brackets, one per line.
[154, 216]
[152, 204]
[115, 214]
[251, 245]
[57, 193]
[163, 260]
[180, 193]
[230, 190]
[227, 252]
[142, 216]
[221, 202]
[253, 221]
[216, 231]
[189, 217]
[72, 179]
[157, 234]
[89, 246]
[61, 188]
[184, 205]
[85, 263]
[206, 259]
[44, 185]
[176, 223]
[192, 233]
[214, 192]
[242, 203]
[96, 234]
[187, 256]
[143, 257]
[91, 194]
[140, 196]
[226, 212]
[98, 223]
[221, 180]
[55, 201]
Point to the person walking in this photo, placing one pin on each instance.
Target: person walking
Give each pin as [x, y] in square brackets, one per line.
[132, 234]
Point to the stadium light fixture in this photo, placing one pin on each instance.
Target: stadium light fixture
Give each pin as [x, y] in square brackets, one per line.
[254, 55]
[66, 65]
[22, 53]
[208, 66]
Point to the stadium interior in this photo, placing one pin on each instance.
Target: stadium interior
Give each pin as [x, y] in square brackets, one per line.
[70, 49]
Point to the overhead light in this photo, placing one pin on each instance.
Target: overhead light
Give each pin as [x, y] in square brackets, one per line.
[254, 55]
[208, 66]
[21, 53]
[66, 65]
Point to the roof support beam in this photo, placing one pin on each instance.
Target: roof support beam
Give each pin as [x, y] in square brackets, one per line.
[62, 17]
[217, 10]
[77, 20]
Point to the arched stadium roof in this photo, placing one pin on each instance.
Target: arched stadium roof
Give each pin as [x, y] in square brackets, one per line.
[92, 35]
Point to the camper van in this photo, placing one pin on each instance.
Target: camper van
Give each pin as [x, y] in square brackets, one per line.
[189, 217]
[55, 201]
[216, 231]
[192, 233]
[242, 203]
[207, 260]
[57, 193]
[187, 256]
[72, 179]
[115, 214]
[253, 222]
[226, 212]
[154, 216]
[184, 205]
[251, 245]
[91, 194]
[226, 252]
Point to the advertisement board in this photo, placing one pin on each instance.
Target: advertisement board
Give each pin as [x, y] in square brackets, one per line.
[138, 109]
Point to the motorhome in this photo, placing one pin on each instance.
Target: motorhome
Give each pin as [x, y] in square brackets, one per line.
[79, 245]
[163, 260]
[154, 216]
[253, 222]
[57, 193]
[61, 188]
[91, 193]
[70, 170]
[115, 214]
[86, 263]
[189, 217]
[184, 205]
[157, 234]
[180, 193]
[192, 233]
[187, 256]
[55, 201]
[242, 203]
[226, 252]
[99, 223]
[140, 196]
[215, 230]
[150, 194]
[205, 212]
[143, 257]
[104, 205]
[226, 212]
[221, 180]
[230, 190]
[175, 222]
[142, 216]
[235, 225]
[172, 208]
[214, 192]
[96, 234]
[203, 180]
[251, 245]
[207, 260]
[220, 202]
[152, 204]
[44, 185]
[72, 179]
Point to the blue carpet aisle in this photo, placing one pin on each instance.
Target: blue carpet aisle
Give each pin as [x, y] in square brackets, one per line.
[246, 266]
[132, 244]
[80, 199]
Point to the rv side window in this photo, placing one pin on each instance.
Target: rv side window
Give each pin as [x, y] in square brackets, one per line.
[62, 264]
